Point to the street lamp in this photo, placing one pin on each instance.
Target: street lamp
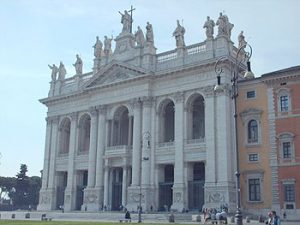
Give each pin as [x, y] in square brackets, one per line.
[245, 57]
[146, 137]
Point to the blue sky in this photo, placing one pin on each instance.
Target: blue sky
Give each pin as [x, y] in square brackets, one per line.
[35, 33]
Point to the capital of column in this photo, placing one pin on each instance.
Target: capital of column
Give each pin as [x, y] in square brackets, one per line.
[179, 97]
[73, 115]
[147, 101]
[208, 90]
[136, 103]
[93, 111]
[53, 119]
[102, 109]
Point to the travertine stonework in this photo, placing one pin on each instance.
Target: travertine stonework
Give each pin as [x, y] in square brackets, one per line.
[106, 136]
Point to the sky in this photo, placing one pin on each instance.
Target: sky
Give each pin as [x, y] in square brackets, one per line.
[35, 33]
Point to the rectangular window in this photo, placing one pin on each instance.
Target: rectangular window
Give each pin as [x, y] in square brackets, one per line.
[286, 147]
[254, 189]
[253, 157]
[251, 94]
[284, 103]
[289, 192]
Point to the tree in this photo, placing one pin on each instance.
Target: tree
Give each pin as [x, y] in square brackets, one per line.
[7, 187]
[20, 198]
[35, 184]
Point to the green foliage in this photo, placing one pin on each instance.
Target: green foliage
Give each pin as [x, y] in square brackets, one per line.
[23, 190]
[7, 185]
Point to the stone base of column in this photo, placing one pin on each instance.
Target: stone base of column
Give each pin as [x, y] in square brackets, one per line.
[70, 198]
[148, 198]
[179, 201]
[217, 194]
[133, 198]
[47, 200]
[92, 200]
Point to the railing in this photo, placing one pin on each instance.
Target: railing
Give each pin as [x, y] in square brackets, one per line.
[165, 144]
[118, 150]
[166, 56]
[195, 141]
[196, 48]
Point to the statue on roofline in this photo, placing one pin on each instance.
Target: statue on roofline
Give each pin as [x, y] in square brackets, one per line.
[179, 35]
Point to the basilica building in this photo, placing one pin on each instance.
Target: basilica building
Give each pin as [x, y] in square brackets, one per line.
[143, 127]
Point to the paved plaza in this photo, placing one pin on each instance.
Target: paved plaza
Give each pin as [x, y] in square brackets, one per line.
[185, 218]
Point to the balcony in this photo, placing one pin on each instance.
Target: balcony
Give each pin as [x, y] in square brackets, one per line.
[118, 151]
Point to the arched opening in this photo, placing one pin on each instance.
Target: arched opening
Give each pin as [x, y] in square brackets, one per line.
[196, 186]
[167, 119]
[64, 137]
[121, 128]
[84, 134]
[166, 188]
[252, 131]
[196, 117]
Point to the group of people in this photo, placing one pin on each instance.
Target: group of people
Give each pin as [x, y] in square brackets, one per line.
[214, 214]
[273, 218]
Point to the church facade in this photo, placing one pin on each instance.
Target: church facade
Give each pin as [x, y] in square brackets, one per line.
[143, 128]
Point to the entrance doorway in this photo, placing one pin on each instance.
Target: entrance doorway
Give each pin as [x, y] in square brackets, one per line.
[166, 189]
[82, 178]
[196, 187]
[117, 180]
[60, 189]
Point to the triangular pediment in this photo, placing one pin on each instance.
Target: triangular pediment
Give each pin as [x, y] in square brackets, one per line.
[114, 73]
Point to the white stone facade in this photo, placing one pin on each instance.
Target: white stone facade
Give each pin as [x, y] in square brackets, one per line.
[125, 131]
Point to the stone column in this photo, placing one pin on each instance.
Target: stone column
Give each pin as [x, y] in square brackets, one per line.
[146, 150]
[179, 187]
[130, 130]
[136, 154]
[89, 195]
[106, 187]
[47, 154]
[210, 141]
[124, 186]
[70, 192]
[222, 188]
[44, 200]
[52, 171]
[134, 190]
[100, 152]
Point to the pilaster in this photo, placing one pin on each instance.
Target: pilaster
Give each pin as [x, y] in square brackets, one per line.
[48, 195]
[70, 191]
[179, 200]
[91, 197]
[134, 189]
[100, 152]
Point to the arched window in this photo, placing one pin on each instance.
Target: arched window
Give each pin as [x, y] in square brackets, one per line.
[169, 118]
[64, 138]
[252, 131]
[84, 133]
[198, 130]
[120, 127]
[252, 126]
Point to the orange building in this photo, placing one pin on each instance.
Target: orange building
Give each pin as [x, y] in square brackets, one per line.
[283, 89]
[268, 110]
[253, 146]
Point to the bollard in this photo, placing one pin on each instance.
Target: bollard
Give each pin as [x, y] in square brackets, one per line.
[232, 220]
[171, 218]
[247, 219]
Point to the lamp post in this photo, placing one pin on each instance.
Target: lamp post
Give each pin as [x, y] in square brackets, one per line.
[146, 138]
[234, 91]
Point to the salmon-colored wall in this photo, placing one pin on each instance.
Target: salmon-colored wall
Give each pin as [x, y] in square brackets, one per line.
[260, 103]
[289, 122]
